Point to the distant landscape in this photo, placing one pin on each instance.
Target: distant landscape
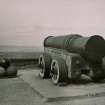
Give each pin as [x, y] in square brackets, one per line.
[20, 52]
[22, 56]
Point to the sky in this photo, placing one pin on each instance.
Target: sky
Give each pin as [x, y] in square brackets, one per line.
[28, 22]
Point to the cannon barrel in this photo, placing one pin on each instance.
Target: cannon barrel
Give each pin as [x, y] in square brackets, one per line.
[91, 48]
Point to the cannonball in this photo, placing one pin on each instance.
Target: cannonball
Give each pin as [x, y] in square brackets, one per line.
[2, 72]
[11, 71]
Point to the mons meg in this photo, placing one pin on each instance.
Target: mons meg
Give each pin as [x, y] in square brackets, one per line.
[72, 57]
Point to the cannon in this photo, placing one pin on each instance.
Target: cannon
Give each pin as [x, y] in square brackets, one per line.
[72, 57]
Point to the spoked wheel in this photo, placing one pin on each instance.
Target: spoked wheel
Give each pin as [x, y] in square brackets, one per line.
[40, 60]
[45, 62]
[42, 65]
[54, 72]
[58, 71]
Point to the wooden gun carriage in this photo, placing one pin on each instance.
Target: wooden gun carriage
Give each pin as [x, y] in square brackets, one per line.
[72, 57]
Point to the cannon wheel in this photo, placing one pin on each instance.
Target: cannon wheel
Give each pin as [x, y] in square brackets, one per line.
[40, 60]
[59, 72]
[45, 63]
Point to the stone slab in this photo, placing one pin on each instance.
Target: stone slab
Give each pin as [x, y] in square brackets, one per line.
[51, 92]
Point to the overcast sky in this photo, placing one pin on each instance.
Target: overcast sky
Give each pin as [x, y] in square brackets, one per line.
[28, 22]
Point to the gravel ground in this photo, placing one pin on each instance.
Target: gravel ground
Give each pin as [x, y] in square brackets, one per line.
[14, 91]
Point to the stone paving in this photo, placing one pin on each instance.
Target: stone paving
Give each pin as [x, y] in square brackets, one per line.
[51, 92]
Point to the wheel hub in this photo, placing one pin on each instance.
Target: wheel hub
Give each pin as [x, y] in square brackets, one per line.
[54, 71]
